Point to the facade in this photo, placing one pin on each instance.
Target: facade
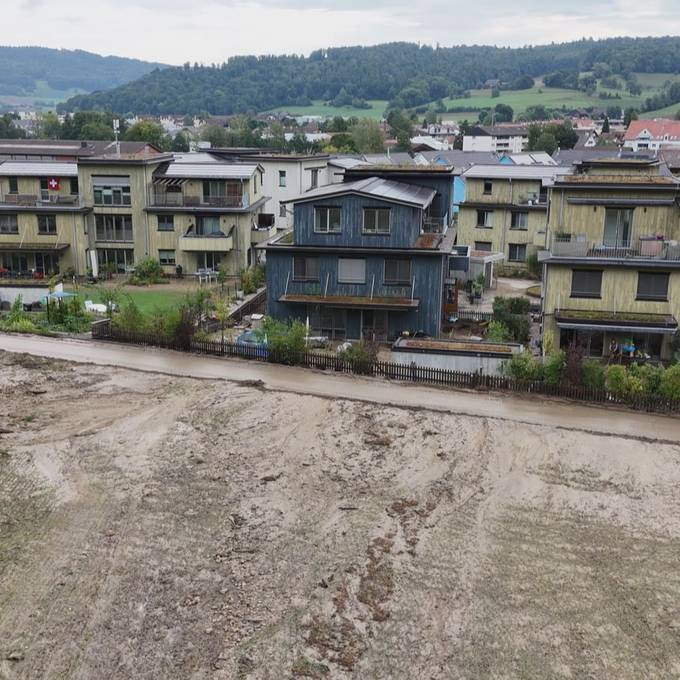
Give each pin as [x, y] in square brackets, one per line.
[497, 139]
[104, 213]
[366, 259]
[651, 135]
[611, 272]
[505, 209]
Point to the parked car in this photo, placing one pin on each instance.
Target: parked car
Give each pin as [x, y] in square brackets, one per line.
[255, 340]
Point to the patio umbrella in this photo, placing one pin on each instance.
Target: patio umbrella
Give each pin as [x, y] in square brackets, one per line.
[61, 294]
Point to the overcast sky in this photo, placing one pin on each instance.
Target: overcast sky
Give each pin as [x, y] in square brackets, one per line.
[176, 31]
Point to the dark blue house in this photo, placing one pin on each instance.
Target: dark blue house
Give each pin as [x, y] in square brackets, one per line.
[366, 259]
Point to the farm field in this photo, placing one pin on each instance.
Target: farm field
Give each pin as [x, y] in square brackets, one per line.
[319, 109]
[208, 529]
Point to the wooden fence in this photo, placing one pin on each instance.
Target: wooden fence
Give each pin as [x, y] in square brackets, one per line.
[103, 330]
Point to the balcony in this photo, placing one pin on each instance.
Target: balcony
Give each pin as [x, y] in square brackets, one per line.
[34, 201]
[181, 199]
[216, 242]
[642, 248]
[434, 225]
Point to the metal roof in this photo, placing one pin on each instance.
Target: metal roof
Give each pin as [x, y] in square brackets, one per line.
[389, 190]
[195, 157]
[516, 171]
[209, 170]
[38, 169]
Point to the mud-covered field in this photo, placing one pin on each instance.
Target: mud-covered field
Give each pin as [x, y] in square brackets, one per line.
[169, 528]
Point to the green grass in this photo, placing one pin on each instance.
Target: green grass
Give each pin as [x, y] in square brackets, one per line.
[318, 108]
[147, 299]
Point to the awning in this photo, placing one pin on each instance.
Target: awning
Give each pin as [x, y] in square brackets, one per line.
[616, 329]
[353, 302]
[32, 247]
[169, 181]
[617, 322]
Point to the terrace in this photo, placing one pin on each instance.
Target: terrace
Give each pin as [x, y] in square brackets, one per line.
[649, 248]
[162, 197]
[51, 202]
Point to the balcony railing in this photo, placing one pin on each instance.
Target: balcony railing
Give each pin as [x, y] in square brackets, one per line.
[37, 201]
[434, 225]
[180, 199]
[643, 248]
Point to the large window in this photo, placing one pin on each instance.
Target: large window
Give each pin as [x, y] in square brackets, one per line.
[13, 185]
[208, 225]
[652, 286]
[617, 227]
[484, 218]
[166, 257]
[517, 252]
[73, 186]
[305, 268]
[376, 220]
[327, 220]
[111, 190]
[586, 283]
[397, 271]
[166, 223]
[519, 220]
[47, 224]
[9, 224]
[351, 270]
[115, 258]
[114, 227]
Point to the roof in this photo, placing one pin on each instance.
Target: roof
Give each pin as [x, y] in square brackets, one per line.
[532, 158]
[656, 128]
[67, 147]
[642, 180]
[354, 301]
[346, 162]
[195, 157]
[33, 247]
[38, 169]
[570, 156]
[498, 131]
[377, 187]
[536, 172]
[208, 170]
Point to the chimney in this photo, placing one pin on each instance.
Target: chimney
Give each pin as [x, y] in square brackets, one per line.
[83, 145]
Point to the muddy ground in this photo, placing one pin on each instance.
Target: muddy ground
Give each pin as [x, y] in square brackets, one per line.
[158, 527]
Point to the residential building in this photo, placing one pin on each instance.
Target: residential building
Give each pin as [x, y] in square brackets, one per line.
[365, 259]
[67, 149]
[505, 209]
[42, 218]
[502, 138]
[611, 271]
[643, 135]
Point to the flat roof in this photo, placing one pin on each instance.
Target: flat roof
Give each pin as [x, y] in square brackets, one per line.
[38, 169]
[208, 170]
[537, 172]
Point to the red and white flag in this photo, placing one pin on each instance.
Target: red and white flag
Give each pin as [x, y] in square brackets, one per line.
[53, 184]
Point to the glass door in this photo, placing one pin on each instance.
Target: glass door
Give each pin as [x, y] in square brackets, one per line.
[617, 227]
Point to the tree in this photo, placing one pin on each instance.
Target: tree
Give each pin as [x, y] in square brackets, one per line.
[342, 98]
[180, 142]
[147, 131]
[8, 130]
[503, 113]
[629, 115]
[49, 126]
[216, 135]
[400, 123]
[605, 125]
[368, 136]
[546, 142]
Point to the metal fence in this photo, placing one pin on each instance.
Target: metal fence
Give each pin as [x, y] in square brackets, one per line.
[103, 330]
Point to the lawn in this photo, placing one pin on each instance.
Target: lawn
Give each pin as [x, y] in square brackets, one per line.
[147, 299]
[318, 108]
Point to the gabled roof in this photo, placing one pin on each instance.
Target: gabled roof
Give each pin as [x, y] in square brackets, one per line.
[656, 129]
[375, 187]
[38, 169]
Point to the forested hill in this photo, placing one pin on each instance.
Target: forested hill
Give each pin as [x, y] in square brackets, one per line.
[62, 70]
[409, 71]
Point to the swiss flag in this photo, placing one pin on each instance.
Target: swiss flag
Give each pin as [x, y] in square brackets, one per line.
[53, 184]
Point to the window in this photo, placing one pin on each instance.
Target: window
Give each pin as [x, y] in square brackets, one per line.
[397, 271]
[74, 189]
[111, 190]
[351, 270]
[652, 286]
[488, 186]
[586, 283]
[166, 223]
[376, 220]
[484, 246]
[207, 225]
[484, 218]
[282, 211]
[44, 189]
[282, 178]
[9, 224]
[166, 257]
[327, 220]
[305, 268]
[13, 185]
[118, 258]
[113, 227]
[617, 227]
[314, 178]
[517, 252]
[519, 220]
[47, 224]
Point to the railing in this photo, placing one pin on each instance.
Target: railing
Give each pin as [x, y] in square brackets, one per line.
[644, 248]
[434, 225]
[171, 199]
[103, 330]
[36, 201]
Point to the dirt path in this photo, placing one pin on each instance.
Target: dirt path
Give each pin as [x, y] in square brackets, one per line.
[324, 384]
[156, 527]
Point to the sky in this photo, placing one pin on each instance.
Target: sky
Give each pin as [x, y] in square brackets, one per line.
[210, 31]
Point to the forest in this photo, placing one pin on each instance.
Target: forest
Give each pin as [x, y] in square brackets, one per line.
[405, 74]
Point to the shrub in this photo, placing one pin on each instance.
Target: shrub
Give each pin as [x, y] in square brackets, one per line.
[147, 270]
[361, 356]
[523, 367]
[533, 265]
[648, 375]
[285, 342]
[252, 279]
[553, 367]
[130, 318]
[593, 375]
[498, 332]
[669, 385]
[511, 305]
[621, 383]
